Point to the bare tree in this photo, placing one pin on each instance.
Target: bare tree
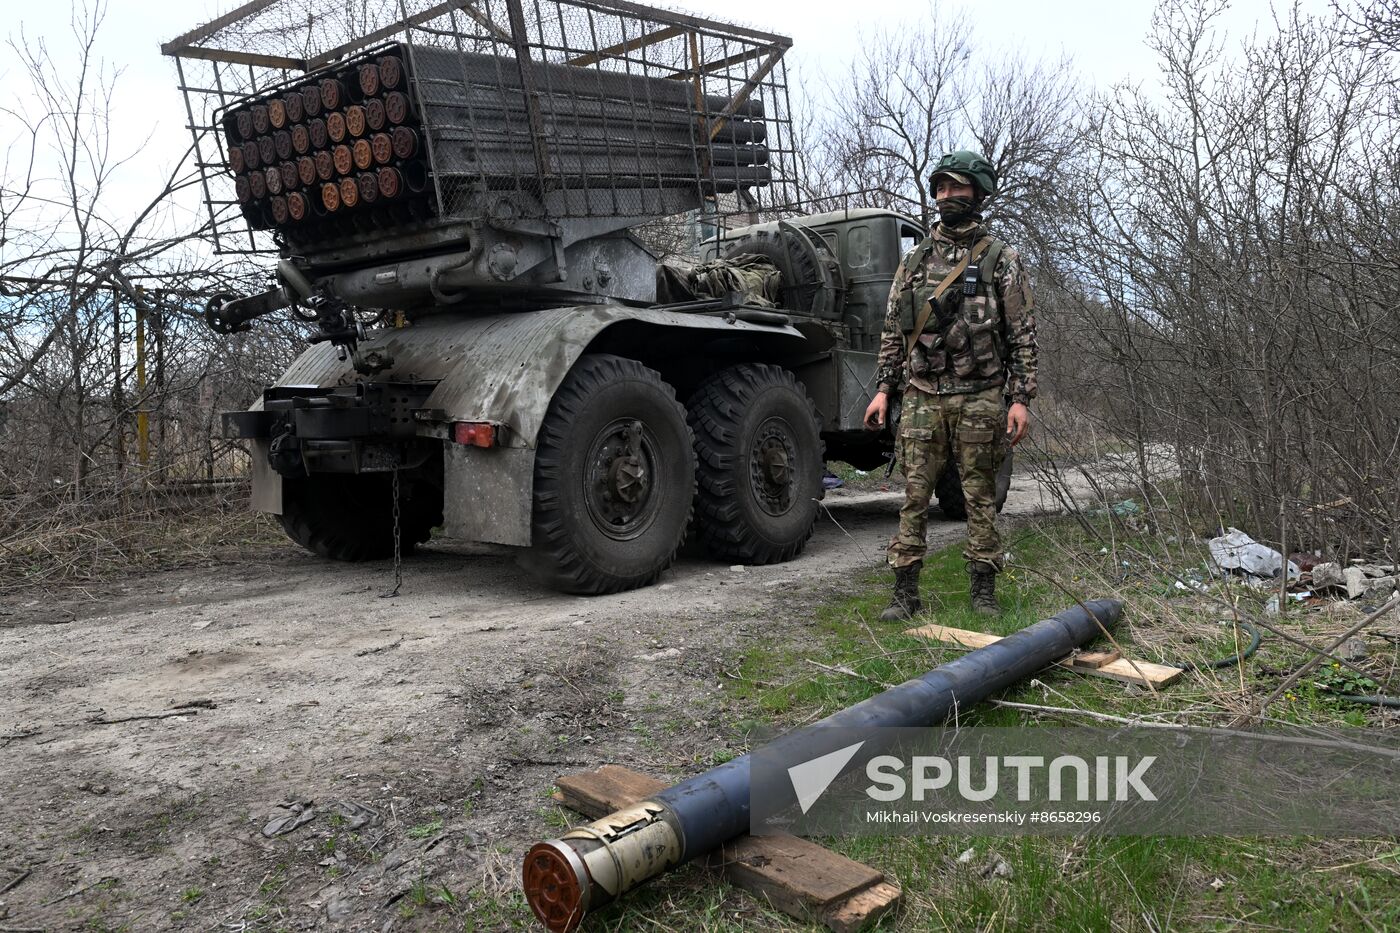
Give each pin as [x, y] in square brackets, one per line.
[100, 301]
[919, 90]
[1231, 275]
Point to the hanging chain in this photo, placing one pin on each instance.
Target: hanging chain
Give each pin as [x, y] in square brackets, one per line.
[398, 555]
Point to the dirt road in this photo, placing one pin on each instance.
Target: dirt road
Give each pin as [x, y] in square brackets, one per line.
[151, 745]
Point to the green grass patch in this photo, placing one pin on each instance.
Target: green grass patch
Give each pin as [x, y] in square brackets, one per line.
[1123, 883]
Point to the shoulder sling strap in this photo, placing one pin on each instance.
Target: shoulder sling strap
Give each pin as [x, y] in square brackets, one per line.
[972, 256]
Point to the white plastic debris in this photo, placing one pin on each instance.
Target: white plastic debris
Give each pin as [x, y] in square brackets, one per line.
[1236, 550]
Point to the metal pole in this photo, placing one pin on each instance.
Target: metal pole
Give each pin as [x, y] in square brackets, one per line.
[593, 865]
[143, 452]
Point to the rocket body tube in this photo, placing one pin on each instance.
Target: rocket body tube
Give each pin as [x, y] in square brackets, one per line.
[706, 811]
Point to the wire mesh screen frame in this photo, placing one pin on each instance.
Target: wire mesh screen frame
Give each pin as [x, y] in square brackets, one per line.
[590, 108]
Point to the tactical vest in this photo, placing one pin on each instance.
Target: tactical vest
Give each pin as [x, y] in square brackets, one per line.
[963, 334]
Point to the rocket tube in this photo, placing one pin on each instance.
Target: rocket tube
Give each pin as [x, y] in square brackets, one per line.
[591, 865]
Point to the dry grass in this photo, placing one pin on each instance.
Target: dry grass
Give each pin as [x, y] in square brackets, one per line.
[49, 544]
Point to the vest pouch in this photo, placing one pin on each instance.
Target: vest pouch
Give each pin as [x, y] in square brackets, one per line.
[984, 349]
[929, 357]
[912, 301]
[960, 348]
[905, 299]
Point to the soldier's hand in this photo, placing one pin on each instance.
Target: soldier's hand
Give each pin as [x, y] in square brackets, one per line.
[1018, 422]
[878, 411]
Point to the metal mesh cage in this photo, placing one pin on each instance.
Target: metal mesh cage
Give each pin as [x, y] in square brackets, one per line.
[318, 122]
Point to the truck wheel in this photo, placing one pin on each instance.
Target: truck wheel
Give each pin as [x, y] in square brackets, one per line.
[614, 479]
[760, 460]
[948, 489]
[345, 516]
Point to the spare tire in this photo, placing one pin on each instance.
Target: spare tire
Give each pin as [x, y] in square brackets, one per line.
[810, 272]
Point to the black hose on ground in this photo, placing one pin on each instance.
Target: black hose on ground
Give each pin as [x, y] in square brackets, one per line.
[1255, 637]
[1233, 660]
[1391, 702]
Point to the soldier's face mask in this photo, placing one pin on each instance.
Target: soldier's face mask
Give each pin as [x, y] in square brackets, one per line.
[956, 210]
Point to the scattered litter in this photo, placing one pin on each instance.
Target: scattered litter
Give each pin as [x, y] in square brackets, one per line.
[1217, 884]
[1121, 509]
[738, 568]
[1327, 575]
[996, 867]
[831, 481]
[1236, 550]
[302, 812]
[966, 856]
[356, 815]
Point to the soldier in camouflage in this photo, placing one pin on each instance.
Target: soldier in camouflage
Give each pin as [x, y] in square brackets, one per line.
[958, 340]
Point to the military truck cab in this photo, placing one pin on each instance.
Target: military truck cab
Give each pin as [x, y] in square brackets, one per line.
[865, 246]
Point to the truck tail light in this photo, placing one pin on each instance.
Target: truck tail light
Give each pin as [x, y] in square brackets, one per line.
[474, 433]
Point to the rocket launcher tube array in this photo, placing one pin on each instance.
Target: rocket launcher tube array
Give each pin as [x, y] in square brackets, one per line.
[594, 864]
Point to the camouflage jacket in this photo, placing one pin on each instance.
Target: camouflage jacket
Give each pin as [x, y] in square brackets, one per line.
[972, 343]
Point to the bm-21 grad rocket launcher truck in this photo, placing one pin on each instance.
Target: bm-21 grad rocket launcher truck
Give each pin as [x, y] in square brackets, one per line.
[453, 192]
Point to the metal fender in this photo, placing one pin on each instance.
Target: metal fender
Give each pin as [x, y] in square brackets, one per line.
[502, 368]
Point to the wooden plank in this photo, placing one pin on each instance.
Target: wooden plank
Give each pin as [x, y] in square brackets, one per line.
[799, 877]
[1142, 673]
[954, 636]
[864, 909]
[595, 794]
[1157, 675]
[1093, 660]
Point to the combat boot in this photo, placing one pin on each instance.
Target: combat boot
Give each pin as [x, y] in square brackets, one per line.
[906, 603]
[984, 591]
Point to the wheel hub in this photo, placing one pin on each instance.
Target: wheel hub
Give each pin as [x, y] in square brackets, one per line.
[775, 462]
[619, 482]
[770, 467]
[627, 479]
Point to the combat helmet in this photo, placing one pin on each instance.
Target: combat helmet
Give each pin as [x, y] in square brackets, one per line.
[970, 168]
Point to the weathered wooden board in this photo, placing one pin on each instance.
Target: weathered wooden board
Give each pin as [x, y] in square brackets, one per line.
[1098, 664]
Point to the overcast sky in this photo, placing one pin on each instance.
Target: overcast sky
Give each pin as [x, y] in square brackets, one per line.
[1104, 40]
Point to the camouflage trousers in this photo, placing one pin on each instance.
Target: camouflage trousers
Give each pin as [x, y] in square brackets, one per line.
[929, 425]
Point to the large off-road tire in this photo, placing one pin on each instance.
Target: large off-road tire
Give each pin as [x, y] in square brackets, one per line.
[759, 464]
[949, 492]
[614, 479]
[345, 516]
